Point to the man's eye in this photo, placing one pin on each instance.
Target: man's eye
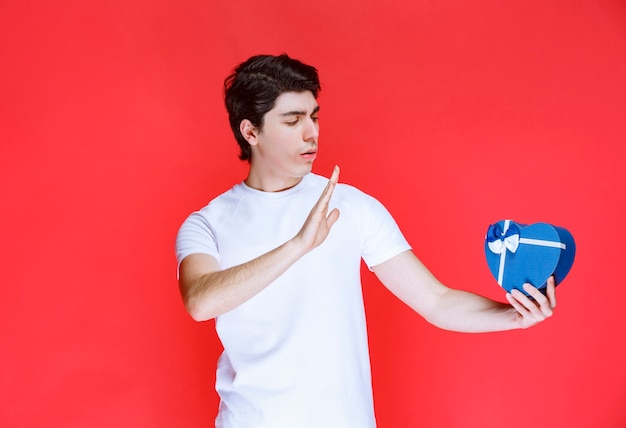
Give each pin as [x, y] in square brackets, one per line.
[292, 123]
[315, 118]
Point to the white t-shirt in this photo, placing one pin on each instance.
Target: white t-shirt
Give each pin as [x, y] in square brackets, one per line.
[296, 354]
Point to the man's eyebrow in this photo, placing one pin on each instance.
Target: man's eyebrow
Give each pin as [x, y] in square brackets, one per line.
[299, 112]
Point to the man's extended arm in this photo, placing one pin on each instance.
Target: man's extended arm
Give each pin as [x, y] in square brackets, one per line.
[407, 278]
[208, 291]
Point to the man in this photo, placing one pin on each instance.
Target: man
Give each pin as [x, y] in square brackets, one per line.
[282, 279]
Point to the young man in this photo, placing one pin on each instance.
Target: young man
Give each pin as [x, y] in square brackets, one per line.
[276, 260]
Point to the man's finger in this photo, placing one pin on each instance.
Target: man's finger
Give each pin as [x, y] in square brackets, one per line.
[328, 191]
[335, 175]
[551, 291]
[332, 217]
[332, 181]
[541, 306]
[518, 307]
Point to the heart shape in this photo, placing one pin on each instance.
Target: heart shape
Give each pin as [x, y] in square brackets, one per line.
[518, 253]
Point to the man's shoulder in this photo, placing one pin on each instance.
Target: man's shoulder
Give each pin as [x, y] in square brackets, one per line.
[353, 194]
[226, 200]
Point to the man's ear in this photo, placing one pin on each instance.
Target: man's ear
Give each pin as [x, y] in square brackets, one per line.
[249, 131]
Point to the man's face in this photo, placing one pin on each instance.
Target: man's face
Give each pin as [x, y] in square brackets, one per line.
[286, 145]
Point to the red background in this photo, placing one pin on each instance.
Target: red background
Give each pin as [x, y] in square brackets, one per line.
[454, 114]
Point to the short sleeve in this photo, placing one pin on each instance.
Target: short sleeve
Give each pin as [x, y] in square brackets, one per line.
[195, 236]
[382, 238]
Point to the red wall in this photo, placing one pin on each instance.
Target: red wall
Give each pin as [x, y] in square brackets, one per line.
[455, 114]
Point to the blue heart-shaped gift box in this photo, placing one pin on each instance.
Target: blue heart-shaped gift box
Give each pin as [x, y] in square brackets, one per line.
[518, 253]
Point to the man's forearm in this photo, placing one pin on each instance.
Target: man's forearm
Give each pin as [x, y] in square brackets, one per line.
[217, 292]
[467, 312]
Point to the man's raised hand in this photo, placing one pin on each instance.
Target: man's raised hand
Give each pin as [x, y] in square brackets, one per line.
[317, 225]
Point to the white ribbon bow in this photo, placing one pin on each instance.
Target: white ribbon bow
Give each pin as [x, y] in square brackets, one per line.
[509, 243]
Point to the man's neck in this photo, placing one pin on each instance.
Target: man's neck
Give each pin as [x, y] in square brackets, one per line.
[271, 184]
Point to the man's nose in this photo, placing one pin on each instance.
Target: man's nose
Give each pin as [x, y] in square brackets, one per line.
[311, 131]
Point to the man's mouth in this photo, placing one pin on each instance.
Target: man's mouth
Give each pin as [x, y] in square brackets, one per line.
[311, 154]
